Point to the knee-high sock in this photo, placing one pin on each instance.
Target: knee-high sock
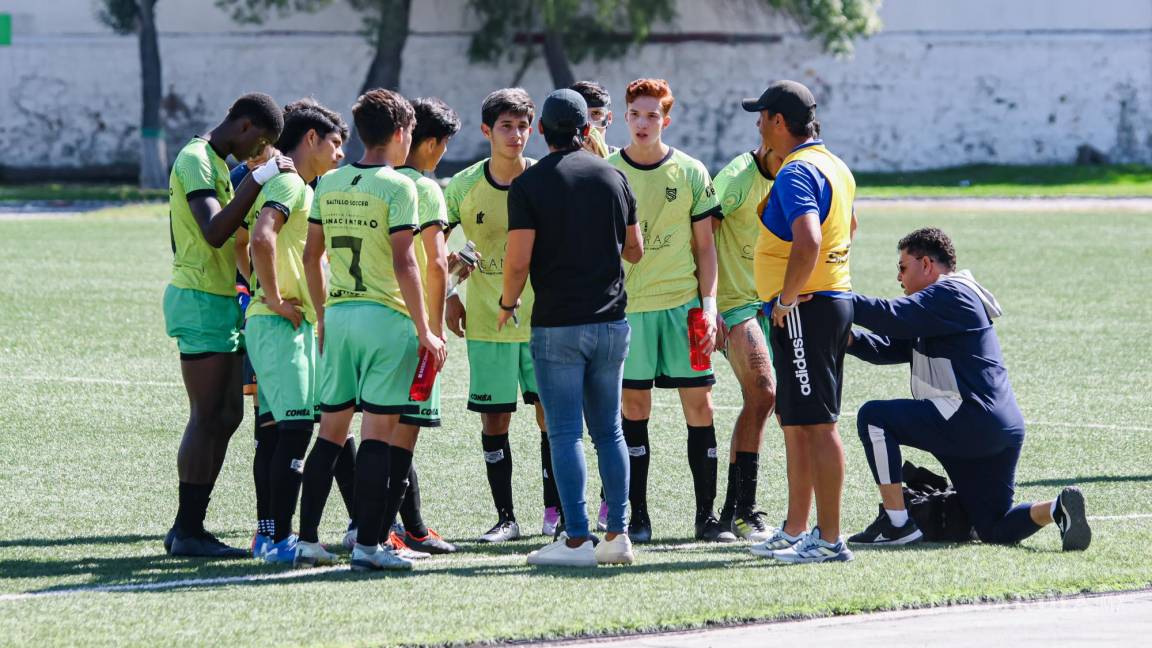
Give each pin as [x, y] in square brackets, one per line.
[317, 485]
[551, 496]
[410, 508]
[345, 474]
[639, 455]
[266, 438]
[287, 471]
[399, 465]
[728, 510]
[498, 461]
[702, 462]
[749, 468]
[371, 490]
[193, 507]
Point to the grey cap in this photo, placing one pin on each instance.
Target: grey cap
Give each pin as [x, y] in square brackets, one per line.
[790, 98]
[564, 110]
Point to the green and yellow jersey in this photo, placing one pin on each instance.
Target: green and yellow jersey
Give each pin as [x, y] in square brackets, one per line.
[742, 187]
[480, 205]
[671, 195]
[360, 208]
[292, 197]
[432, 211]
[196, 265]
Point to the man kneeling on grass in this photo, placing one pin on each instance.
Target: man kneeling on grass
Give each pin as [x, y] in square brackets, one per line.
[963, 410]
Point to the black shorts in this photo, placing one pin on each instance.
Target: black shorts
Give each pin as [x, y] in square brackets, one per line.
[808, 356]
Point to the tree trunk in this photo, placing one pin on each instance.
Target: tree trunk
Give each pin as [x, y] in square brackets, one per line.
[389, 38]
[153, 151]
[558, 64]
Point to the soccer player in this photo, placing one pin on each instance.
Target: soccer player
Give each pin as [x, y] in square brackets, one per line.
[500, 361]
[279, 333]
[436, 123]
[675, 204]
[599, 113]
[200, 306]
[802, 276]
[373, 324]
[743, 186]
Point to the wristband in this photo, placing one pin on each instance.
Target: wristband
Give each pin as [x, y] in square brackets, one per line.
[709, 304]
[266, 172]
[787, 308]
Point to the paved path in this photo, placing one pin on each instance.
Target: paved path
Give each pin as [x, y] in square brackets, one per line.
[1114, 619]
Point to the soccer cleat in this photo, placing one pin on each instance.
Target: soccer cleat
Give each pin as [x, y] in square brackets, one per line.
[708, 529]
[168, 538]
[551, 519]
[204, 545]
[602, 517]
[504, 531]
[429, 544]
[559, 554]
[377, 559]
[396, 543]
[617, 551]
[749, 525]
[883, 532]
[813, 549]
[640, 527]
[777, 540]
[260, 544]
[1069, 516]
[283, 552]
[313, 554]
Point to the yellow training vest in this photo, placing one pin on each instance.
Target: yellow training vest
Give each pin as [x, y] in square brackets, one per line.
[831, 272]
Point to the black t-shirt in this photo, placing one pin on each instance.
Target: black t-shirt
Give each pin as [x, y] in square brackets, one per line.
[580, 207]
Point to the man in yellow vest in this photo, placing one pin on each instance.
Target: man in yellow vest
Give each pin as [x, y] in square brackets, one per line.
[801, 272]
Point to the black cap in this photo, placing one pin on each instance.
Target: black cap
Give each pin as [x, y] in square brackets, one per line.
[790, 98]
[564, 110]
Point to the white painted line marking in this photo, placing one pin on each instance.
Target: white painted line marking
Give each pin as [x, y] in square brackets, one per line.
[1130, 516]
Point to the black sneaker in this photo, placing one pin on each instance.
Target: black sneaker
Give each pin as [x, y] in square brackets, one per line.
[1075, 534]
[168, 538]
[504, 531]
[640, 527]
[708, 529]
[883, 532]
[205, 545]
[431, 543]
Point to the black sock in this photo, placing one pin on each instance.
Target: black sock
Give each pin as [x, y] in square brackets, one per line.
[399, 467]
[287, 471]
[262, 476]
[193, 507]
[498, 461]
[749, 464]
[551, 496]
[702, 462]
[639, 455]
[371, 491]
[345, 474]
[410, 507]
[317, 484]
[727, 511]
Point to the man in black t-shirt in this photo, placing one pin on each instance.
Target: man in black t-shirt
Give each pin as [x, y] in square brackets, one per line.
[571, 218]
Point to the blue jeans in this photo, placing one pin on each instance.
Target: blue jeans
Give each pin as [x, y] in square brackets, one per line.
[579, 370]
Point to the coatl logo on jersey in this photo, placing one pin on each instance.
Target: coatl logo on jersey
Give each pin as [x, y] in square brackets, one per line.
[670, 193]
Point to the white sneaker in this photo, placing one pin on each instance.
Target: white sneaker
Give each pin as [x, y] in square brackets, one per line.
[617, 551]
[313, 554]
[814, 549]
[559, 554]
[377, 558]
[777, 541]
[349, 541]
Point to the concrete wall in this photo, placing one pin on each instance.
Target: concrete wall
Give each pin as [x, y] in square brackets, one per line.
[946, 82]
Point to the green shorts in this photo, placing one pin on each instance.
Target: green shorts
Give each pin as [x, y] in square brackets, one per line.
[659, 351]
[429, 415]
[368, 360]
[286, 361]
[201, 322]
[498, 370]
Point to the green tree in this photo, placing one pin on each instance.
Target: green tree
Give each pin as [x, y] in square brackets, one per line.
[139, 17]
[834, 23]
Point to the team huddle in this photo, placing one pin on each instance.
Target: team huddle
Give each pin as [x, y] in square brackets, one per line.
[352, 287]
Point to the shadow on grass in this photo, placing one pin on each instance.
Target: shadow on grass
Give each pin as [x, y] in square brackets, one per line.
[1095, 479]
[70, 541]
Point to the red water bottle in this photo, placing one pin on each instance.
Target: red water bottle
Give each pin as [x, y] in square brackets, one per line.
[425, 377]
[697, 337]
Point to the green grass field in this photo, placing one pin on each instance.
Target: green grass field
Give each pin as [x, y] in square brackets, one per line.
[91, 410]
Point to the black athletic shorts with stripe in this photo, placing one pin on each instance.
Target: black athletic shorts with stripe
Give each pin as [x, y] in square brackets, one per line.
[808, 356]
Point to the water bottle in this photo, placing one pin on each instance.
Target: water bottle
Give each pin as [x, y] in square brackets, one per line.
[424, 379]
[697, 337]
[465, 261]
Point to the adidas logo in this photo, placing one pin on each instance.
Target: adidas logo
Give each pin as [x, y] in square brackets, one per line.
[496, 456]
[637, 451]
[297, 465]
